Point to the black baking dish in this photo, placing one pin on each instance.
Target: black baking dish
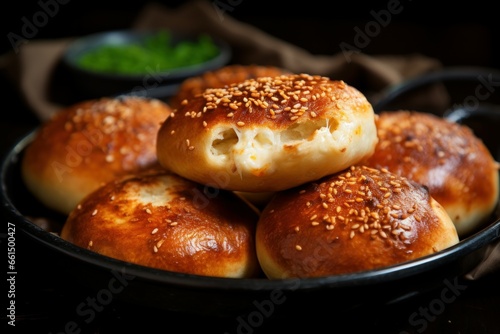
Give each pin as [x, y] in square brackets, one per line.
[223, 296]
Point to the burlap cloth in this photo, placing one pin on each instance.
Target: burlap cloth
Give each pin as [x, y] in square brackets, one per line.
[37, 60]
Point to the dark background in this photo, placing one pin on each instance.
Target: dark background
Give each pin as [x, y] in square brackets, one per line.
[457, 34]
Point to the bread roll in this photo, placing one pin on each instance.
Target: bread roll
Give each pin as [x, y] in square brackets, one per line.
[163, 221]
[88, 144]
[446, 157]
[352, 221]
[268, 134]
[221, 77]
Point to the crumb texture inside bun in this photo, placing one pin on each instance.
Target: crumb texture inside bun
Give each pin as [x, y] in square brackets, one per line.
[356, 220]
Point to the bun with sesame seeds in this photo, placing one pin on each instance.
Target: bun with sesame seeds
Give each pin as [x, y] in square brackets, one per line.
[446, 157]
[356, 220]
[163, 221]
[90, 143]
[268, 134]
[221, 77]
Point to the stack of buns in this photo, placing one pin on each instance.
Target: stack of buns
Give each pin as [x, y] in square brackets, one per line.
[305, 141]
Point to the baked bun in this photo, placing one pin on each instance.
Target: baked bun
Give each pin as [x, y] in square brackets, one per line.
[446, 157]
[221, 77]
[88, 144]
[164, 221]
[268, 134]
[355, 220]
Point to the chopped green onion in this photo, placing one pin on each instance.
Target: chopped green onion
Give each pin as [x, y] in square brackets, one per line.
[157, 53]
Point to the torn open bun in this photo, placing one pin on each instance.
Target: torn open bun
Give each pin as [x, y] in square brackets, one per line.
[268, 134]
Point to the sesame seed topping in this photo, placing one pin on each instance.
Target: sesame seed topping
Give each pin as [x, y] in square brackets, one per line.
[286, 97]
[362, 206]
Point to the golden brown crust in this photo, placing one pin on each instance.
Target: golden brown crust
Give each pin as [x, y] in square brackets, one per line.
[90, 143]
[355, 220]
[447, 157]
[268, 134]
[221, 77]
[163, 221]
